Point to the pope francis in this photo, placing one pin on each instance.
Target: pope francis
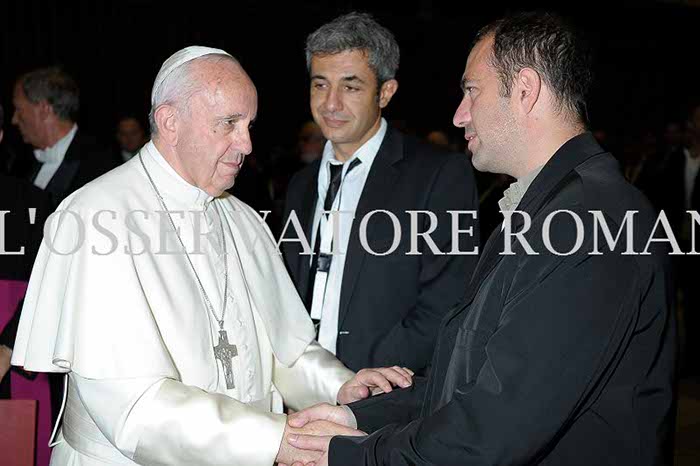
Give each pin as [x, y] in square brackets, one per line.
[166, 303]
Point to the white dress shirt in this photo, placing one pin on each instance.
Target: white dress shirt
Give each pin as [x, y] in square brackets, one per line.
[345, 203]
[51, 158]
[516, 191]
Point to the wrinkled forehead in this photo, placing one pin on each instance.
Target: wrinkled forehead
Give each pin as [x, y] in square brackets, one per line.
[227, 86]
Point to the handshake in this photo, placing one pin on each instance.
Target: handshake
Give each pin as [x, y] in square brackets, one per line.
[308, 433]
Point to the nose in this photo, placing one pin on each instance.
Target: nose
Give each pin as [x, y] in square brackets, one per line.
[463, 114]
[243, 142]
[15, 118]
[333, 102]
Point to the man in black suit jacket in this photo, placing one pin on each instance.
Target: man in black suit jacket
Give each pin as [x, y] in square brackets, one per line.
[375, 309]
[46, 105]
[556, 355]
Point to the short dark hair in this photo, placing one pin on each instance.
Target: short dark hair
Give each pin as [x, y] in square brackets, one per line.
[54, 86]
[357, 31]
[549, 45]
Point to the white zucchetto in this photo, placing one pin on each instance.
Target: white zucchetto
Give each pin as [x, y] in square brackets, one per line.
[178, 59]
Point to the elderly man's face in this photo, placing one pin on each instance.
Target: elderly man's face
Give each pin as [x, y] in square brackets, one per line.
[344, 99]
[487, 118]
[27, 118]
[213, 136]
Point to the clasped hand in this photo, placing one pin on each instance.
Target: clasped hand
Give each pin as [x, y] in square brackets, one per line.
[308, 433]
[374, 381]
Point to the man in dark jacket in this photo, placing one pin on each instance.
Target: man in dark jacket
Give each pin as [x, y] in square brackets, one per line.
[376, 302]
[46, 106]
[562, 351]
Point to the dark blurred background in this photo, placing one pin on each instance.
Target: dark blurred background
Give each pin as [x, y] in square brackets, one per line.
[645, 55]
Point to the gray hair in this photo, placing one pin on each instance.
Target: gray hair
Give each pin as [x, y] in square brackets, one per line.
[357, 31]
[54, 86]
[179, 86]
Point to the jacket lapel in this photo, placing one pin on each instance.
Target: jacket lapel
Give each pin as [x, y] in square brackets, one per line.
[306, 220]
[377, 190]
[555, 172]
[36, 166]
[60, 182]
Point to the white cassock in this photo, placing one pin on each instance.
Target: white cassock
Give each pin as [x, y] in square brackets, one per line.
[133, 333]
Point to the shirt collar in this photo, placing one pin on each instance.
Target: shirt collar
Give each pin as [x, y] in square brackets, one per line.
[56, 153]
[515, 192]
[169, 182]
[689, 157]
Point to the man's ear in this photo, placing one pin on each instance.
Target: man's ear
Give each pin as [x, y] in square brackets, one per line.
[167, 123]
[45, 110]
[387, 91]
[527, 88]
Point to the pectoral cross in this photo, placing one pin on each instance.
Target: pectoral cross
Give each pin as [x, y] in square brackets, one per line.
[225, 352]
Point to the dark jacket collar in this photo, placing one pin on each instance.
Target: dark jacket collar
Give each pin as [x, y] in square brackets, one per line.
[570, 155]
[555, 172]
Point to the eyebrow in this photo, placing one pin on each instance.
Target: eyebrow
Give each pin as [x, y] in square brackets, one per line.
[465, 82]
[351, 78]
[233, 116]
